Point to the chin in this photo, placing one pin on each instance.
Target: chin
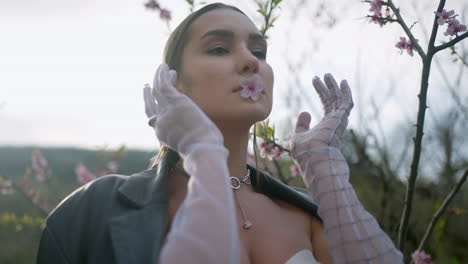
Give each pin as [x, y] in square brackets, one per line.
[242, 117]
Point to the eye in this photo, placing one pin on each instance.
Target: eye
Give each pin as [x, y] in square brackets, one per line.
[218, 51]
[259, 54]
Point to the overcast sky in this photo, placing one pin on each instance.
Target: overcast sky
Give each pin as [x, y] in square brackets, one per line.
[72, 72]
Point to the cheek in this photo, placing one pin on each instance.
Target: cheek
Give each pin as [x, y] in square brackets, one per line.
[205, 89]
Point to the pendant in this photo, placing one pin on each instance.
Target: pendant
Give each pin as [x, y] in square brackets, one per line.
[247, 224]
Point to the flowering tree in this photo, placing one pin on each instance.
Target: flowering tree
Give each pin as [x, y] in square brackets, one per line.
[382, 13]
[36, 181]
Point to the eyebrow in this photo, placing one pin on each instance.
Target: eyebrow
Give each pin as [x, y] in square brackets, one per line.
[229, 34]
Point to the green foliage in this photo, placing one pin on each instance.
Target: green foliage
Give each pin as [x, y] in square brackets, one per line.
[266, 10]
[11, 219]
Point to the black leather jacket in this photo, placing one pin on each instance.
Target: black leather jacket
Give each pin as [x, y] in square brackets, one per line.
[123, 219]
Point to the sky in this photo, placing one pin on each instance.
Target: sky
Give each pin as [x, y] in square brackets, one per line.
[72, 72]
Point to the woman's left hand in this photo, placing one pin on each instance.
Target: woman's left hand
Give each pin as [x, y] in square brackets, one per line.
[337, 103]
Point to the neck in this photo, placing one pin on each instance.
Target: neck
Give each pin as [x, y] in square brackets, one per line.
[236, 140]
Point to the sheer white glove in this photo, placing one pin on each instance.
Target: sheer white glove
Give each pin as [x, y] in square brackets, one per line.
[353, 234]
[178, 122]
[337, 104]
[205, 228]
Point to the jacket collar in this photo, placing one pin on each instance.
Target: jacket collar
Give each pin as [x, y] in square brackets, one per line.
[144, 187]
[151, 186]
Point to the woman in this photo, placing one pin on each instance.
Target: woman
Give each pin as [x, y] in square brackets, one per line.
[215, 86]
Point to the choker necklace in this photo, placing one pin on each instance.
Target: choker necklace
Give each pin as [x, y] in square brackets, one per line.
[235, 184]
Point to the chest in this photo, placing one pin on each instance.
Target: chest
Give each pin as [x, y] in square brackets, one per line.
[279, 229]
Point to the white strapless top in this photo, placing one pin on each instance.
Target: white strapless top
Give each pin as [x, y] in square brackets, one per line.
[304, 256]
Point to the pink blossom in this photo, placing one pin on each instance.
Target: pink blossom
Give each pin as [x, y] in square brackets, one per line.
[152, 5]
[270, 151]
[265, 164]
[165, 14]
[404, 44]
[457, 211]
[454, 27]
[113, 166]
[378, 20]
[251, 87]
[295, 170]
[376, 7]
[40, 166]
[445, 16]
[33, 194]
[83, 174]
[420, 257]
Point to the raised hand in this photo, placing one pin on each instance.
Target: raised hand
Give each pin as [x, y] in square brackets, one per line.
[337, 104]
[178, 122]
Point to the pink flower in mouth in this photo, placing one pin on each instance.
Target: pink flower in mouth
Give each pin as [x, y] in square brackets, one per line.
[251, 87]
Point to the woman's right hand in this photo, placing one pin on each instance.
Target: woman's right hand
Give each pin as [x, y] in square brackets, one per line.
[178, 122]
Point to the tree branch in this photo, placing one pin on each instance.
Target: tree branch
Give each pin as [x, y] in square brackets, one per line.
[441, 210]
[450, 43]
[407, 30]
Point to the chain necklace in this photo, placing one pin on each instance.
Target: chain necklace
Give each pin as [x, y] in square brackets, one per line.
[235, 185]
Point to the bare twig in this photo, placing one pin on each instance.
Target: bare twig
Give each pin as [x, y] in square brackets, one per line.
[450, 43]
[441, 210]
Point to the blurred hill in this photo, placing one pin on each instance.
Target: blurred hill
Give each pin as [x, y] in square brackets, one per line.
[18, 237]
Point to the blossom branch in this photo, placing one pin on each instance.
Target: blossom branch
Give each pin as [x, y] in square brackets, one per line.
[435, 26]
[388, 19]
[450, 43]
[407, 30]
[442, 209]
[44, 211]
[426, 59]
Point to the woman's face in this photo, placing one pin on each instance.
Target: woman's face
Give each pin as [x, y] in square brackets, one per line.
[224, 47]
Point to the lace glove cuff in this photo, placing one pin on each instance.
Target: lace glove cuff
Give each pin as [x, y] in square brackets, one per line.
[354, 236]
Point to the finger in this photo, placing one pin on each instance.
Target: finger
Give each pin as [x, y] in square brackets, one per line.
[157, 84]
[167, 83]
[323, 93]
[347, 98]
[150, 104]
[334, 90]
[173, 77]
[303, 122]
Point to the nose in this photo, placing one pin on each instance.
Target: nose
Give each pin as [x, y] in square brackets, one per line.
[247, 62]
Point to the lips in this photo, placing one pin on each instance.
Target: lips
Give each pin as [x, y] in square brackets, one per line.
[235, 90]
